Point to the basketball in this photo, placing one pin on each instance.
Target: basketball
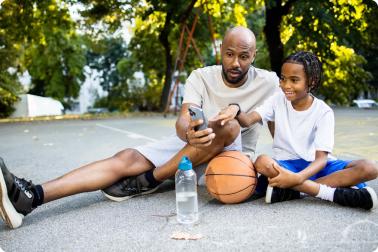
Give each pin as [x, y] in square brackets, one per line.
[230, 177]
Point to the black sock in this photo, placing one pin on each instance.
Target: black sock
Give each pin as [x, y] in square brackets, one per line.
[38, 195]
[152, 182]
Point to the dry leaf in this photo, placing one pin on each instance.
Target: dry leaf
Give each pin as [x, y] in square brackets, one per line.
[185, 236]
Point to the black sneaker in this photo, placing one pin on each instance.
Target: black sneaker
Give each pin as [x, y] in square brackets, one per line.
[275, 194]
[127, 188]
[365, 198]
[16, 198]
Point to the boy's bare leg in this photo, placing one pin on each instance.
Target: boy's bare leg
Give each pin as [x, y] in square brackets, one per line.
[264, 165]
[365, 198]
[355, 172]
[96, 175]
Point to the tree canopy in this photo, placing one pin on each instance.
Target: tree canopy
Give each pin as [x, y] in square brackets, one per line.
[43, 38]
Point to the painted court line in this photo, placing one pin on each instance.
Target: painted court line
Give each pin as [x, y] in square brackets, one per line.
[128, 133]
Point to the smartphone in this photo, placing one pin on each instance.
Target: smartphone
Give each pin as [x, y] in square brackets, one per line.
[196, 114]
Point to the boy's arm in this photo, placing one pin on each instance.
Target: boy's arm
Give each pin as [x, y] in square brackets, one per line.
[288, 179]
[317, 165]
[246, 120]
[233, 111]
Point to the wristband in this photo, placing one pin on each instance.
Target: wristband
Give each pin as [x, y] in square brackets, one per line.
[239, 110]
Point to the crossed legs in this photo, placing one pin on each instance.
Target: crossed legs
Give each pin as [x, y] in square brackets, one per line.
[355, 172]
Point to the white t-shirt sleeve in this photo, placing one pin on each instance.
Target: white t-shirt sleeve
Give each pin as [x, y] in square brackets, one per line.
[324, 135]
[193, 89]
[266, 110]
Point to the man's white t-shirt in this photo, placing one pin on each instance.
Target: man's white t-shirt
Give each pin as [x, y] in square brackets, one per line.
[205, 87]
[299, 134]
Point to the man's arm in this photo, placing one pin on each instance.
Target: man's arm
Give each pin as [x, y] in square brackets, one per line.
[183, 121]
[271, 128]
[185, 129]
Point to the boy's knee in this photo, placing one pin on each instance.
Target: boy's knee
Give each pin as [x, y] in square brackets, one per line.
[262, 163]
[368, 169]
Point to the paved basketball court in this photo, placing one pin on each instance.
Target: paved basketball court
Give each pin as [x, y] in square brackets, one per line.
[89, 222]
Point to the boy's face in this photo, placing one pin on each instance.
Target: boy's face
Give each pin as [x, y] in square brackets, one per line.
[293, 82]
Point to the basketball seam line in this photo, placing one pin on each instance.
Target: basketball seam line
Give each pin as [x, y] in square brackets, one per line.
[235, 158]
[229, 174]
[233, 192]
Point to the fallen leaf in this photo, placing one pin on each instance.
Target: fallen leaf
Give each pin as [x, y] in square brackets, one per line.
[185, 236]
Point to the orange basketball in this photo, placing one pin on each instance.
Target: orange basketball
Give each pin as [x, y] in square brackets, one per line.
[230, 177]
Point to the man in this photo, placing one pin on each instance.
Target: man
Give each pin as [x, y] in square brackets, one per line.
[141, 170]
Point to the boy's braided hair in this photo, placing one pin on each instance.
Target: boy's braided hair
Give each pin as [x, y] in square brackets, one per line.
[312, 67]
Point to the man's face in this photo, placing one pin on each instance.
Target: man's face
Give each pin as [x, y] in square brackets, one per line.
[237, 56]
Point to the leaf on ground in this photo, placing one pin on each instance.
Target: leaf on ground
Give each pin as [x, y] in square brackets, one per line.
[185, 236]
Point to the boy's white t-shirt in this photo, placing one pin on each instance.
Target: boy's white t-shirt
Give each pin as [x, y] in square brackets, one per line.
[205, 87]
[298, 134]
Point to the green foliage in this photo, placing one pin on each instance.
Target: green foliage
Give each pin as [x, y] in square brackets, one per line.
[55, 55]
[9, 53]
[103, 56]
[42, 38]
[344, 76]
[8, 93]
[331, 29]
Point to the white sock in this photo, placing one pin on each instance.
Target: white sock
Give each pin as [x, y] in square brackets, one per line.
[326, 192]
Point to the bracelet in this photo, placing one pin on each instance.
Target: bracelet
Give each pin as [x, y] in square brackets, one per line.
[239, 110]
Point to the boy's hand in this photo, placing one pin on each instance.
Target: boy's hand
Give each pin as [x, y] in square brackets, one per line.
[226, 114]
[200, 138]
[285, 178]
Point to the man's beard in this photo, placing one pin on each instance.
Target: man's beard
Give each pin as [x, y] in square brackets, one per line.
[234, 81]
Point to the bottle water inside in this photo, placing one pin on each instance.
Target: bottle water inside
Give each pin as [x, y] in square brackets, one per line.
[186, 193]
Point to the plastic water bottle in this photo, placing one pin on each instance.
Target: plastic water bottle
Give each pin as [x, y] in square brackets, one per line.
[186, 193]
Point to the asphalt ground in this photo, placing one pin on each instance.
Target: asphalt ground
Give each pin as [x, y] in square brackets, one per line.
[89, 222]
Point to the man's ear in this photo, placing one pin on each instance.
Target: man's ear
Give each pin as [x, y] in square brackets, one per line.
[254, 57]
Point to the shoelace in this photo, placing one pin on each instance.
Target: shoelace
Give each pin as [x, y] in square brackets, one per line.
[128, 184]
[23, 184]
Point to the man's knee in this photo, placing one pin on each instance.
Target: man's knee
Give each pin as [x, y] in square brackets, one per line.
[127, 154]
[368, 169]
[132, 161]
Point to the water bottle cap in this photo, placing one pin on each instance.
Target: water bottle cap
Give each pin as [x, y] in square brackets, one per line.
[185, 164]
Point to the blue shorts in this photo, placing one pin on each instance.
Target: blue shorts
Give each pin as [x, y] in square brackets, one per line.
[332, 166]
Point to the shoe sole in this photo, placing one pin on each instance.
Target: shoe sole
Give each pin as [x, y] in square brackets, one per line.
[119, 199]
[268, 196]
[11, 217]
[373, 196]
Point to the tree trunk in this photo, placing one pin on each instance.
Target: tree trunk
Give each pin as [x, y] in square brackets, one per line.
[273, 18]
[163, 38]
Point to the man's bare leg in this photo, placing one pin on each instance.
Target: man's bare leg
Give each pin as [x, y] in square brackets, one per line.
[97, 175]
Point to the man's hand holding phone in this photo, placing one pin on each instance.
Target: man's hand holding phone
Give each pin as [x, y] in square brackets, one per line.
[198, 134]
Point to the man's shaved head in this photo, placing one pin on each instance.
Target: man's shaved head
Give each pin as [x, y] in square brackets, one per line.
[240, 33]
[238, 52]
